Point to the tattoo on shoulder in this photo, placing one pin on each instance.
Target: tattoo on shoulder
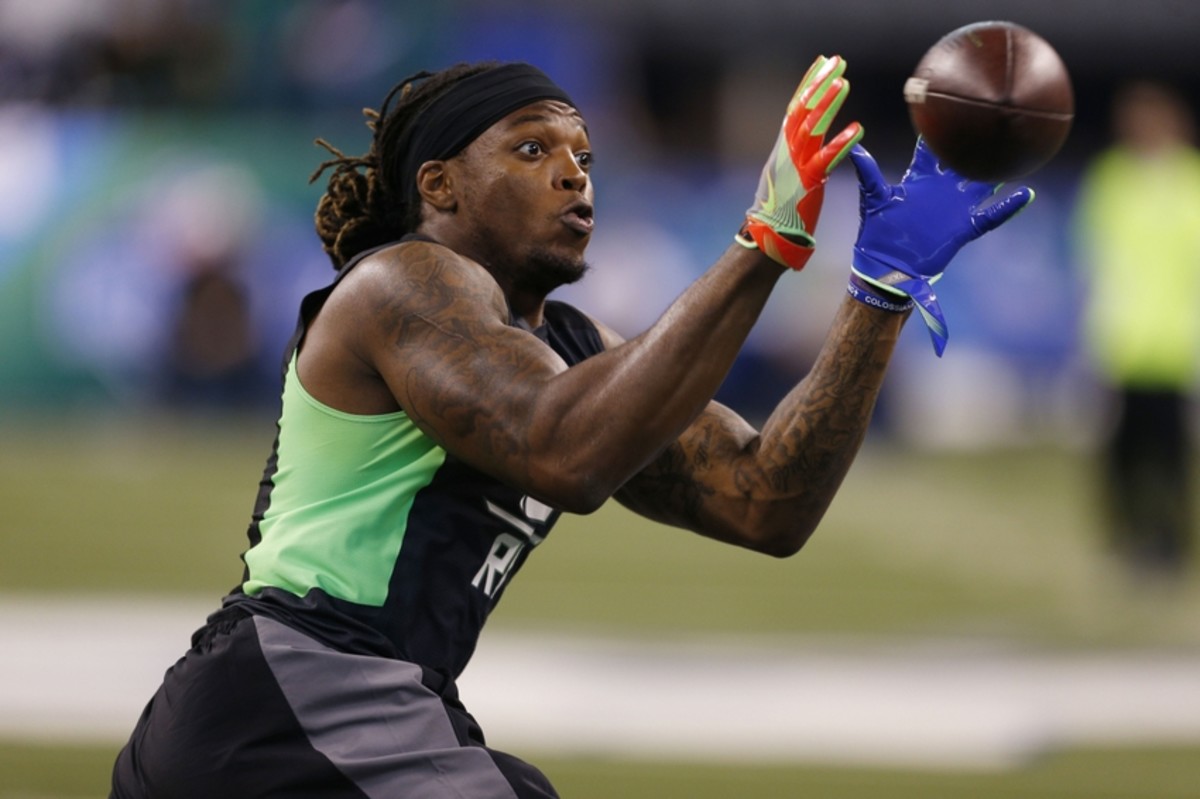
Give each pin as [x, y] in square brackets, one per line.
[459, 378]
[435, 290]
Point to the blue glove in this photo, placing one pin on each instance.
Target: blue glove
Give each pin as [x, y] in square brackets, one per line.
[909, 233]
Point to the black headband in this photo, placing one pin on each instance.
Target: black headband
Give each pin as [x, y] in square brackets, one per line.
[469, 107]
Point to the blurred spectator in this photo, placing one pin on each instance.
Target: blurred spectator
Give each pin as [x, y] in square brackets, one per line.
[1139, 234]
[214, 349]
[112, 52]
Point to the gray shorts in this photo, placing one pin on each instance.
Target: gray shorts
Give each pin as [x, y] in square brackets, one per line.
[257, 709]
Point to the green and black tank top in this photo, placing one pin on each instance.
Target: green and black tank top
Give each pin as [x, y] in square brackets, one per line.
[372, 538]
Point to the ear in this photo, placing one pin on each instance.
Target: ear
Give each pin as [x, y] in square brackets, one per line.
[435, 186]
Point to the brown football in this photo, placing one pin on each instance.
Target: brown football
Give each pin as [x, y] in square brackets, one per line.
[992, 99]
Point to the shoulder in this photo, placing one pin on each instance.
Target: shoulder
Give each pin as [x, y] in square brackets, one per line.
[422, 275]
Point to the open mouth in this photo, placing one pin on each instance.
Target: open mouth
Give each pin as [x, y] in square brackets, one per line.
[579, 217]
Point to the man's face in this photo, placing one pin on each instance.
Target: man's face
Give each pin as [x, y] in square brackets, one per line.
[525, 196]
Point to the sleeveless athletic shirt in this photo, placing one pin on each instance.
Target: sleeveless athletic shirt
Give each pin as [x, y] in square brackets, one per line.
[373, 539]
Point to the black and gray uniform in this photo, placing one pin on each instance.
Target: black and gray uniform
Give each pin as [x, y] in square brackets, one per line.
[375, 558]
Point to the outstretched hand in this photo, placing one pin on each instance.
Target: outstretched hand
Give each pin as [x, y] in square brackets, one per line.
[792, 187]
[909, 232]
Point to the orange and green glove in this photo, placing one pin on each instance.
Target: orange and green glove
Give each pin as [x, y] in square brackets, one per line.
[787, 204]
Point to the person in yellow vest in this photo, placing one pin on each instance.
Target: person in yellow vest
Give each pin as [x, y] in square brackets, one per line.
[1138, 226]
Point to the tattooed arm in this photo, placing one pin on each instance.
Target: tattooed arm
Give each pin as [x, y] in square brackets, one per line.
[768, 490]
[419, 328]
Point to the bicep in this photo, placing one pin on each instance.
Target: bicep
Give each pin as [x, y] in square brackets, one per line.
[441, 341]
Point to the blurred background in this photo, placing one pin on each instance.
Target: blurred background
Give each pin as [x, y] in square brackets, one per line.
[156, 237]
[155, 231]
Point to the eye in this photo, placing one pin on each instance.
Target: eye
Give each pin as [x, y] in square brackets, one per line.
[530, 148]
[584, 159]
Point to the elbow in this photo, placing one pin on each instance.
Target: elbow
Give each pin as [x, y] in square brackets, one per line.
[765, 528]
[582, 501]
[785, 527]
[579, 492]
[783, 544]
[778, 535]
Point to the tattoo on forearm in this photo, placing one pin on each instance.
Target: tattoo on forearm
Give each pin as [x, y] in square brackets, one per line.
[803, 451]
[818, 429]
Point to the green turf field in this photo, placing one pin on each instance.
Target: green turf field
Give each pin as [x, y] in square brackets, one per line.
[994, 545]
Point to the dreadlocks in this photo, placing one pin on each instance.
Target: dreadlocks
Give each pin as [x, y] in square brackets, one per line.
[362, 206]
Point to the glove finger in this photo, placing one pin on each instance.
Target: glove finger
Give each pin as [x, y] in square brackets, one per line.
[799, 96]
[833, 68]
[805, 138]
[996, 214]
[817, 83]
[870, 180]
[828, 106]
[833, 153]
[792, 129]
[794, 117]
[816, 66]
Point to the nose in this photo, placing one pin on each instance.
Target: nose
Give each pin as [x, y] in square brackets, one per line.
[572, 177]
